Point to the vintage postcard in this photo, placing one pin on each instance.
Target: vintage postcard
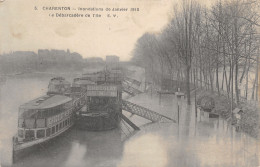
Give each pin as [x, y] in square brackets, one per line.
[129, 83]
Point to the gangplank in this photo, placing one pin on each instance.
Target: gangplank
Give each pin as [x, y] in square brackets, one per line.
[129, 89]
[144, 112]
[129, 122]
[134, 81]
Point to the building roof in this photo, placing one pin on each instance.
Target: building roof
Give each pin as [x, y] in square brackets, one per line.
[91, 73]
[84, 82]
[46, 101]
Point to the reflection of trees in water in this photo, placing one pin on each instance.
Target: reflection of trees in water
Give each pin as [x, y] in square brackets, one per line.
[181, 156]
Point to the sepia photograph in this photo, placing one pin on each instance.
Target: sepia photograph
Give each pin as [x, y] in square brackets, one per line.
[129, 83]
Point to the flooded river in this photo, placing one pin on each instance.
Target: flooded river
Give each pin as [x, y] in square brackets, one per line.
[196, 142]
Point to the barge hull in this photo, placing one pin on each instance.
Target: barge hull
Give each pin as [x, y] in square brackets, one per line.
[21, 152]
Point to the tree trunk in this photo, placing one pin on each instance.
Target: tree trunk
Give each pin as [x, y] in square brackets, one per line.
[217, 82]
[256, 79]
[236, 61]
[188, 84]
[230, 75]
[257, 69]
[200, 72]
[246, 93]
[236, 81]
[211, 81]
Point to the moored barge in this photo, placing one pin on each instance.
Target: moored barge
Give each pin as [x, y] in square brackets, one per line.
[102, 109]
[102, 102]
[41, 120]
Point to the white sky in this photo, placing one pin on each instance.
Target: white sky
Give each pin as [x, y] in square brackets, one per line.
[23, 28]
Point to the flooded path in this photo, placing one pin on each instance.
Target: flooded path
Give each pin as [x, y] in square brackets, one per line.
[197, 142]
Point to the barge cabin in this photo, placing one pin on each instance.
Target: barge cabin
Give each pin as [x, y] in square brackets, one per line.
[58, 85]
[42, 119]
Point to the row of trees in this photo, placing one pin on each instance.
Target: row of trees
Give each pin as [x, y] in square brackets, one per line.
[216, 48]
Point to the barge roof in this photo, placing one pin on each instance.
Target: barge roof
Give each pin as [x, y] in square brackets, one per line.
[46, 101]
[84, 82]
[59, 80]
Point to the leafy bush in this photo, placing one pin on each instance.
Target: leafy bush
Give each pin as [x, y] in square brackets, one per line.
[249, 118]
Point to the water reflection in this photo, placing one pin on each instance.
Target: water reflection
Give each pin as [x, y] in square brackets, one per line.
[202, 141]
[197, 141]
[145, 150]
[97, 148]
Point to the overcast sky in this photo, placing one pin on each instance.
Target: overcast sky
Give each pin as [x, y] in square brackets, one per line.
[24, 28]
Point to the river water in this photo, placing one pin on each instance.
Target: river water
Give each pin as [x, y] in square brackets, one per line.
[196, 142]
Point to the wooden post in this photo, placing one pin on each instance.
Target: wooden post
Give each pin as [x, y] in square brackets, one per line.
[13, 156]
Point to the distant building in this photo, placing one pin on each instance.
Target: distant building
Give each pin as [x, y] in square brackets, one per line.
[112, 59]
[58, 55]
[94, 60]
[112, 62]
